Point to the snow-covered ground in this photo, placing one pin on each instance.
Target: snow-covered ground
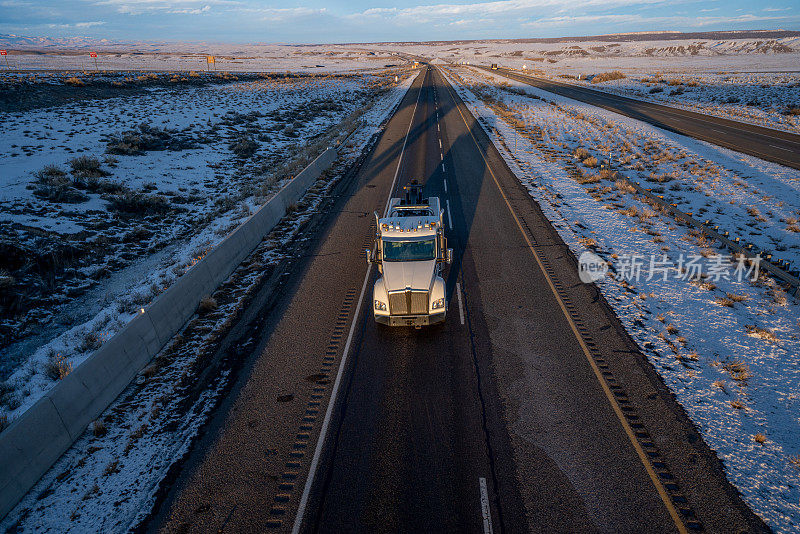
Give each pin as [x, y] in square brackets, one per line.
[752, 80]
[85, 244]
[726, 345]
[107, 481]
[227, 58]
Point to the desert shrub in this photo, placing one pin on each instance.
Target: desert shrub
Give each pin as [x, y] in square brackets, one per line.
[207, 305]
[290, 131]
[793, 111]
[50, 172]
[86, 167]
[75, 82]
[608, 76]
[91, 342]
[581, 153]
[57, 367]
[137, 142]
[52, 184]
[590, 162]
[7, 394]
[225, 203]
[138, 203]
[656, 90]
[99, 428]
[96, 185]
[244, 146]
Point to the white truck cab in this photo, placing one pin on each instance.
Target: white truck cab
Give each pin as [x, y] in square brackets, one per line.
[410, 252]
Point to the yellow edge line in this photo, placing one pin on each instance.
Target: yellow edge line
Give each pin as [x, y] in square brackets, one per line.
[610, 396]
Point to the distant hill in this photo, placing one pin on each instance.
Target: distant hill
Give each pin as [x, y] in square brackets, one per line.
[72, 44]
[629, 37]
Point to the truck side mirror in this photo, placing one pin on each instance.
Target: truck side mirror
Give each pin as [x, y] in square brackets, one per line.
[449, 256]
[368, 254]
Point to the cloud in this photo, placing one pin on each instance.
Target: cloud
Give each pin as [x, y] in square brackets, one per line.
[281, 14]
[499, 7]
[138, 7]
[74, 25]
[192, 11]
[652, 21]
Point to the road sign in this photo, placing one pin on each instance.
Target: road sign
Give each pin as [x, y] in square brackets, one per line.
[93, 54]
[211, 60]
[3, 52]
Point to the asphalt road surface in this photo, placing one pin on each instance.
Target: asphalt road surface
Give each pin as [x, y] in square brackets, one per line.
[765, 143]
[529, 409]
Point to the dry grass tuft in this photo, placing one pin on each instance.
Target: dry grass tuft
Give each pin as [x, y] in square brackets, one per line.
[57, 367]
[672, 329]
[721, 385]
[737, 405]
[724, 301]
[207, 305]
[112, 468]
[738, 370]
[99, 428]
[608, 76]
[581, 153]
[763, 333]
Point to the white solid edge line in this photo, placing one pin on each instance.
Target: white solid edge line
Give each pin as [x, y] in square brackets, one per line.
[460, 304]
[301, 507]
[449, 215]
[485, 510]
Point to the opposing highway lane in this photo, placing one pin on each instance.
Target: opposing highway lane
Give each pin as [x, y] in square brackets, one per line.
[765, 143]
[529, 409]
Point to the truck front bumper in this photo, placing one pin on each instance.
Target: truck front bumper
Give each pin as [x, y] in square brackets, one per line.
[411, 320]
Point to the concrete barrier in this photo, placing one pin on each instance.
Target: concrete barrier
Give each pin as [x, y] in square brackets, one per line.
[34, 441]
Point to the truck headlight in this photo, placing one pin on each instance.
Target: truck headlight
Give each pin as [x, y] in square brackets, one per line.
[438, 304]
[380, 305]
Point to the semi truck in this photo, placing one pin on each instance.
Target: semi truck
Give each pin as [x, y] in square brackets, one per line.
[410, 252]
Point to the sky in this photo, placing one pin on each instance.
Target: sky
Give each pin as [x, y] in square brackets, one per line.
[316, 21]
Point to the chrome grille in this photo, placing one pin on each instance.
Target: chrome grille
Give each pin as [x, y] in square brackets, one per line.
[408, 302]
[419, 302]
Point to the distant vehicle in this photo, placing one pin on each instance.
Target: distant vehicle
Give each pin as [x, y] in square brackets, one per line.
[410, 251]
[494, 66]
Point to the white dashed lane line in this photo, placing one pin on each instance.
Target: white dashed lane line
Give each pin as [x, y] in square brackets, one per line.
[449, 215]
[485, 510]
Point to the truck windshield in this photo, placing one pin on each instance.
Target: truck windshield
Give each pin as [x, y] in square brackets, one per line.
[417, 250]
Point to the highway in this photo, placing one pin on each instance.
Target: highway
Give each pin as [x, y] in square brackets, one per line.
[765, 143]
[529, 410]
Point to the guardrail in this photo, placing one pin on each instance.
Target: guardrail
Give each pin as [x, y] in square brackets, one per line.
[34, 441]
